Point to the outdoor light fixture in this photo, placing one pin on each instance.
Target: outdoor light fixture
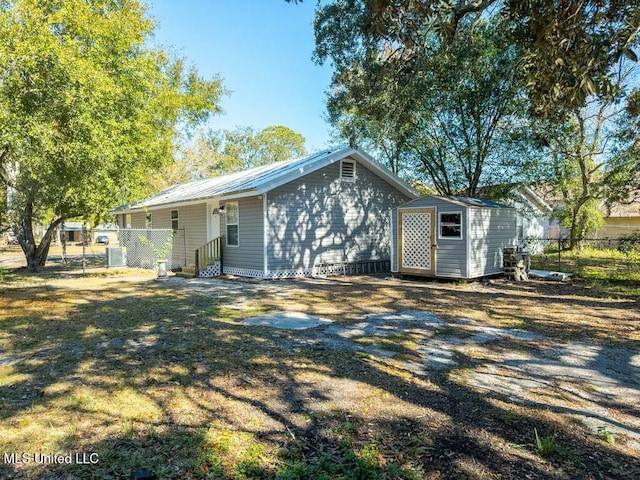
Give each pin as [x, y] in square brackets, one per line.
[218, 211]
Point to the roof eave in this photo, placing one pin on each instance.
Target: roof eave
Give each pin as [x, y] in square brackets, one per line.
[186, 203]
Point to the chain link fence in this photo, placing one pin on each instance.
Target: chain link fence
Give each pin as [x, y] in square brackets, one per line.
[144, 246]
[593, 254]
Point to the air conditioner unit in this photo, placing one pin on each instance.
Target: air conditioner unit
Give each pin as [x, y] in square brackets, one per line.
[116, 256]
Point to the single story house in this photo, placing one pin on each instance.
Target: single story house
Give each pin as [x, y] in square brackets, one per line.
[620, 220]
[534, 223]
[72, 231]
[451, 237]
[301, 217]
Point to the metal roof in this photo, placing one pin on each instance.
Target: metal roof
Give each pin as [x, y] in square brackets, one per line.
[259, 180]
[457, 200]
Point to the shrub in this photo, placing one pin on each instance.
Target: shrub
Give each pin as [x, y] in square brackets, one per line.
[629, 244]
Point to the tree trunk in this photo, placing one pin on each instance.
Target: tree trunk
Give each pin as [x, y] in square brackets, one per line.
[576, 230]
[36, 255]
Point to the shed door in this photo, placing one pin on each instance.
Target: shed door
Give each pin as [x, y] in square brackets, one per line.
[416, 241]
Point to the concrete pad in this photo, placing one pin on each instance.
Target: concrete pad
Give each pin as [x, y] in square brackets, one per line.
[286, 321]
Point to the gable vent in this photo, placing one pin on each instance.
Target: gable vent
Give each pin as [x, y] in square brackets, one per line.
[347, 170]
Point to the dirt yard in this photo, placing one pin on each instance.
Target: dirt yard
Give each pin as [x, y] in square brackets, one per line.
[407, 379]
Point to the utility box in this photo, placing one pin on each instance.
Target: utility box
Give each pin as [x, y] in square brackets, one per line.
[116, 256]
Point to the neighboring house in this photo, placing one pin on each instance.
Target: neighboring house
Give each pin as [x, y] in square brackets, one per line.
[294, 218]
[451, 237]
[72, 232]
[620, 220]
[534, 213]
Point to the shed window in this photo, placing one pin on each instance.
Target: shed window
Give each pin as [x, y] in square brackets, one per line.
[450, 225]
[175, 220]
[148, 220]
[232, 221]
[347, 170]
[126, 220]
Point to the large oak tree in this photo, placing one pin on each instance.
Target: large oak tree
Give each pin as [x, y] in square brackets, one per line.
[87, 108]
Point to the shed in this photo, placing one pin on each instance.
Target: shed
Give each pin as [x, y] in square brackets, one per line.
[451, 237]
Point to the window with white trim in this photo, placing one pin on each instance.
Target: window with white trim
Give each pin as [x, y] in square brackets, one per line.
[450, 225]
[348, 171]
[175, 220]
[148, 220]
[232, 214]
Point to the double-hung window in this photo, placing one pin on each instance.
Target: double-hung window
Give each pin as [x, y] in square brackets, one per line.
[233, 224]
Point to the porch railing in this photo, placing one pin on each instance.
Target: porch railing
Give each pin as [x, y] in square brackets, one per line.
[209, 253]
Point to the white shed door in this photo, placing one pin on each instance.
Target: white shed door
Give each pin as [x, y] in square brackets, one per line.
[416, 232]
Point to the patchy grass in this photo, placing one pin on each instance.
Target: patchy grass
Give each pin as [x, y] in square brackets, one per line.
[609, 272]
[156, 376]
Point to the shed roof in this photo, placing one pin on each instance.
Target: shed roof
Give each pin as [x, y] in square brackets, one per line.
[259, 180]
[457, 200]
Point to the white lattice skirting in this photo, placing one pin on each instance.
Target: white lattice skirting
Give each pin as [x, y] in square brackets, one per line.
[213, 270]
[319, 270]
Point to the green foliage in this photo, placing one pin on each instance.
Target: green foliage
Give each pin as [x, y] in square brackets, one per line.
[212, 153]
[569, 50]
[546, 446]
[583, 221]
[451, 114]
[246, 147]
[436, 88]
[630, 244]
[606, 435]
[164, 250]
[87, 109]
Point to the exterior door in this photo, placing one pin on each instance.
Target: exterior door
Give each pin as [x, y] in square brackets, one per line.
[417, 241]
[213, 221]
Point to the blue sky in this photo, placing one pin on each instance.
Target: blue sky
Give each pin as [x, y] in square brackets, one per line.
[262, 49]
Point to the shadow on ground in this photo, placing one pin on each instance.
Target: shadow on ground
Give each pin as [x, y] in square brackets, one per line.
[164, 378]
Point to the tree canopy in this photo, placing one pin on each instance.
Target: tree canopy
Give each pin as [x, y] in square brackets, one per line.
[569, 47]
[87, 109]
[452, 115]
[218, 152]
[421, 81]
